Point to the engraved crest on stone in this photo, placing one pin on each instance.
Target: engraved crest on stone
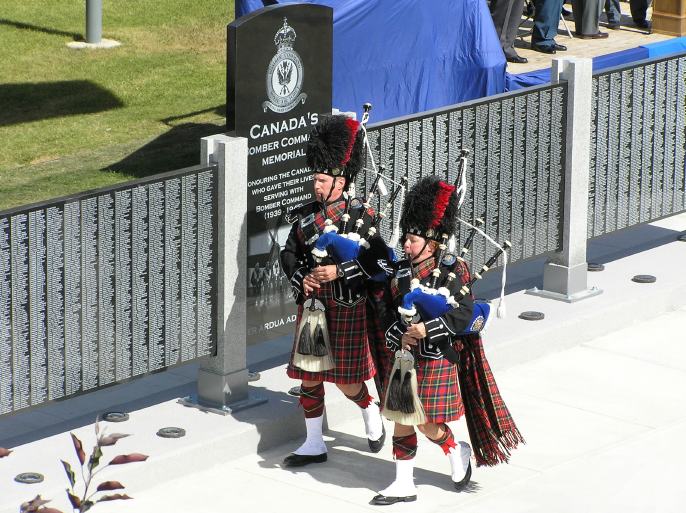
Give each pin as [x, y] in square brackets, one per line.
[284, 74]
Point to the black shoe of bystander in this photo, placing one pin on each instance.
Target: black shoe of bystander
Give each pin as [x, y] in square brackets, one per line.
[516, 59]
[544, 49]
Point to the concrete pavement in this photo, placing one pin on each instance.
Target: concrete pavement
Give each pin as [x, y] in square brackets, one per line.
[597, 390]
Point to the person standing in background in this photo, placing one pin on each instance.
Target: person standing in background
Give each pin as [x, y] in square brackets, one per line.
[546, 20]
[507, 15]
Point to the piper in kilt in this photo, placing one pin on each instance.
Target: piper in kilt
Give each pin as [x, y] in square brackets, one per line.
[428, 220]
[331, 338]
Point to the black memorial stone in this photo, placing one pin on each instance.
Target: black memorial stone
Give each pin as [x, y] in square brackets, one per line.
[278, 86]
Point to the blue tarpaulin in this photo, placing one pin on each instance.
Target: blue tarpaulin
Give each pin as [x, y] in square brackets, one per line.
[408, 56]
[649, 51]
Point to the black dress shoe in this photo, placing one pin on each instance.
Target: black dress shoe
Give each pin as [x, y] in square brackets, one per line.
[376, 445]
[300, 460]
[516, 59]
[613, 26]
[597, 35]
[382, 500]
[461, 485]
[645, 24]
[544, 49]
[560, 48]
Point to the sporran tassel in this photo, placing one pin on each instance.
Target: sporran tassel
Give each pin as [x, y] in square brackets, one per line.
[313, 336]
[402, 403]
[393, 393]
[305, 345]
[319, 343]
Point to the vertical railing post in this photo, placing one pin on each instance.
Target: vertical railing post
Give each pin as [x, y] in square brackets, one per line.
[93, 21]
[565, 274]
[223, 379]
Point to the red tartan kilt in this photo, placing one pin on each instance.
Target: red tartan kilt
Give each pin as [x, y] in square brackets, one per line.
[348, 337]
[439, 390]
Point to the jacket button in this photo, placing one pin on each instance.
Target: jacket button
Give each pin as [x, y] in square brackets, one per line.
[431, 346]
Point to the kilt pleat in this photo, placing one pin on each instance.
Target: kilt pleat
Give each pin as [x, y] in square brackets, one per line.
[438, 389]
[349, 346]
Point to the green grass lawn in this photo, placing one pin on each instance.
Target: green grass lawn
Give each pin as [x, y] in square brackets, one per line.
[73, 120]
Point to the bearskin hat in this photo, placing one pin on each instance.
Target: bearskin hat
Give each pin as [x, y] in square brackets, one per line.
[336, 147]
[430, 209]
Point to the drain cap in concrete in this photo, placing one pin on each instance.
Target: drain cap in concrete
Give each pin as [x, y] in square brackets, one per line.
[171, 432]
[532, 315]
[115, 416]
[644, 278]
[29, 478]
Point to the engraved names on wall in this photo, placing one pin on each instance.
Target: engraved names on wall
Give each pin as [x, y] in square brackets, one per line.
[107, 286]
[514, 170]
[638, 145]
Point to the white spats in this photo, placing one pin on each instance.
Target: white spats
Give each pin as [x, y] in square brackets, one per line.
[459, 460]
[373, 424]
[314, 443]
[403, 486]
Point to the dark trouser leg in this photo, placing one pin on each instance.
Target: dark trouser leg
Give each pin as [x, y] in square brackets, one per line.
[586, 14]
[507, 15]
[613, 11]
[638, 9]
[546, 21]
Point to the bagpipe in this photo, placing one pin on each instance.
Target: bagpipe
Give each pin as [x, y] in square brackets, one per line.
[371, 254]
[352, 251]
[435, 299]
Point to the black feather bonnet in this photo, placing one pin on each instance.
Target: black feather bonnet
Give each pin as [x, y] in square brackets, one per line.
[430, 209]
[336, 147]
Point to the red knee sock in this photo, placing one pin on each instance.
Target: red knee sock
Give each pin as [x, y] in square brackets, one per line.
[362, 398]
[312, 400]
[447, 441]
[405, 447]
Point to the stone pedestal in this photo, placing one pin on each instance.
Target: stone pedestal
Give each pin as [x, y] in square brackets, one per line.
[223, 379]
[669, 17]
[564, 276]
